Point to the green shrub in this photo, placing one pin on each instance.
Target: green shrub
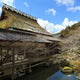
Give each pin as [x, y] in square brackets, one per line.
[65, 63]
[69, 30]
[78, 51]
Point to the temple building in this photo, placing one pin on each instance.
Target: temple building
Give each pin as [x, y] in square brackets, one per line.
[23, 42]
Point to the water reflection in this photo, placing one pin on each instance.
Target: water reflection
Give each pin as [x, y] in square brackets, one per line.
[60, 76]
[43, 73]
[40, 73]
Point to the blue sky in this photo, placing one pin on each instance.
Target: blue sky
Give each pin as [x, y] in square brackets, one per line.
[53, 15]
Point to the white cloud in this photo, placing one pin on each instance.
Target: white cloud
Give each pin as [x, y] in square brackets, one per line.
[50, 27]
[53, 11]
[0, 9]
[66, 22]
[9, 2]
[66, 2]
[26, 4]
[69, 5]
[46, 25]
[74, 9]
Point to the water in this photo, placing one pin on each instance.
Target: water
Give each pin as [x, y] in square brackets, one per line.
[60, 76]
[40, 73]
[44, 73]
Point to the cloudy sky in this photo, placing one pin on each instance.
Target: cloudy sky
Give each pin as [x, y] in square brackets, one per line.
[53, 15]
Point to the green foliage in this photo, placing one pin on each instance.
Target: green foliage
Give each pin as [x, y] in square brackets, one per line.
[65, 63]
[73, 27]
[60, 44]
[70, 65]
[78, 51]
[69, 30]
